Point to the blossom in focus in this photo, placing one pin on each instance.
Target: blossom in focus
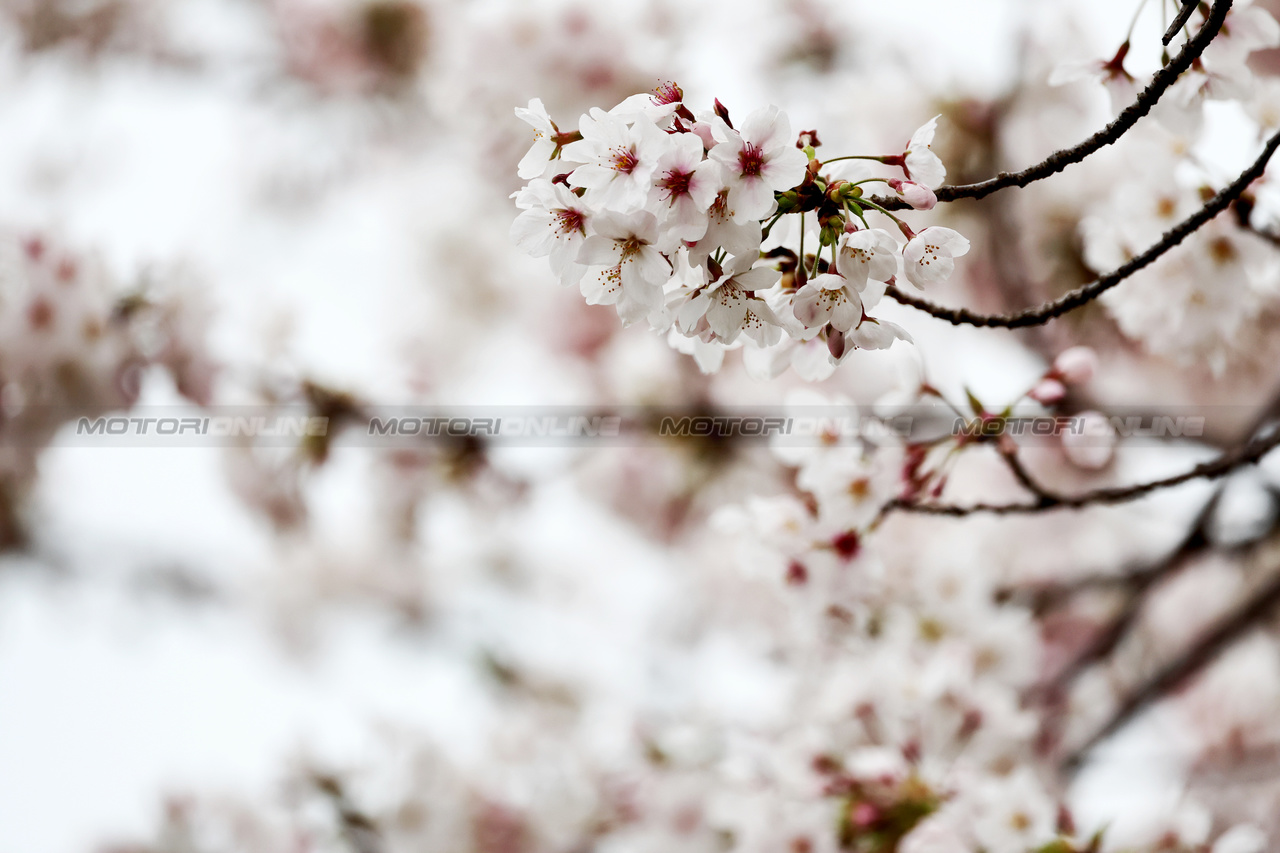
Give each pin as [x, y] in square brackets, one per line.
[929, 257]
[553, 225]
[758, 161]
[684, 188]
[729, 306]
[625, 268]
[921, 164]
[615, 160]
[534, 162]
[867, 254]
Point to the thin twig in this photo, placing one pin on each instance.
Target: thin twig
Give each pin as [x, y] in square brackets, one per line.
[1043, 495]
[1245, 454]
[1141, 584]
[1059, 160]
[1087, 293]
[1184, 14]
[1177, 672]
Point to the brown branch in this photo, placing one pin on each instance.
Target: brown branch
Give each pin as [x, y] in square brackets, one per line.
[1059, 160]
[1043, 495]
[1141, 583]
[1180, 20]
[1173, 675]
[1043, 597]
[1087, 293]
[1245, 454]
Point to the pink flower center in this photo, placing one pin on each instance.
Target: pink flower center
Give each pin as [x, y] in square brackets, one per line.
[720, 211]
[570, 220]
[676, 184]
[750, 161]
[668, 93]
[625, 160]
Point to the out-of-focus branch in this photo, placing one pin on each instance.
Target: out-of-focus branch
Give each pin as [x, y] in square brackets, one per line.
[1091, 291]
[1246, 454]
[1140, 584]
[1059, 160]
[1177, 672]
[1044, 496]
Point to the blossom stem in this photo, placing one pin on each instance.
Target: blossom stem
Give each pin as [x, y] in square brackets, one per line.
[769, 227]
[882, 159]
[902, 226]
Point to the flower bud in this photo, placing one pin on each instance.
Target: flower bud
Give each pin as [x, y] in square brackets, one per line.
[918, 196]
[1091, 441]
[1048, 392]
[1075, 366]
[788, 201]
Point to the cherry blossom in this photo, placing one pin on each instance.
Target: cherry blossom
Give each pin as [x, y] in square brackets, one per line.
[535, 161]
[729, 306]
[1121, 86]
[684, 188]
[758, 161]
[725, 232]
[829, 299]
[616, 159]
[554, 224]
[929, 257]
[626, 269]
[920, 163]
[867, 254]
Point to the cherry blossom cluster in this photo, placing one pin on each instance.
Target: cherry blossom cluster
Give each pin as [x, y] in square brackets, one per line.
[75, 342]
[667, 215]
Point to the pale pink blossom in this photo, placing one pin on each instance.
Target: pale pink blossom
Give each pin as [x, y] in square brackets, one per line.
[758, 160]
[627, 270]
[553, 225]
[684, 188]
[929, 256]
[615, 160]
[920, 163]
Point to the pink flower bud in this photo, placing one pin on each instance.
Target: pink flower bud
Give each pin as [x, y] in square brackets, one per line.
[918, 196]
[1075, 366]
[1049, 391]
[1091, 441]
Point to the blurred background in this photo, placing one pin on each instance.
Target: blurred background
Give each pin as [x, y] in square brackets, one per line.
[321, 644]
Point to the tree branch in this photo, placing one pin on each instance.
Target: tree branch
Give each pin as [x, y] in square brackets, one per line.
[1174, 674]
[1246, 454]
[1059, 160]
[1140, 583]
[1087, 293]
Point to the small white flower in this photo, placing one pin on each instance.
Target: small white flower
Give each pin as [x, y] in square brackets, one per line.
[684, 188]
[758, 160]
[729, 306]
[617, 160]
[929, 256]
[659, 105]
[628, 271]
[554, 225]
[869, 254]
[828, 299]
[534, 162]
[724, 231]
[922, 165]
[872, 333]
